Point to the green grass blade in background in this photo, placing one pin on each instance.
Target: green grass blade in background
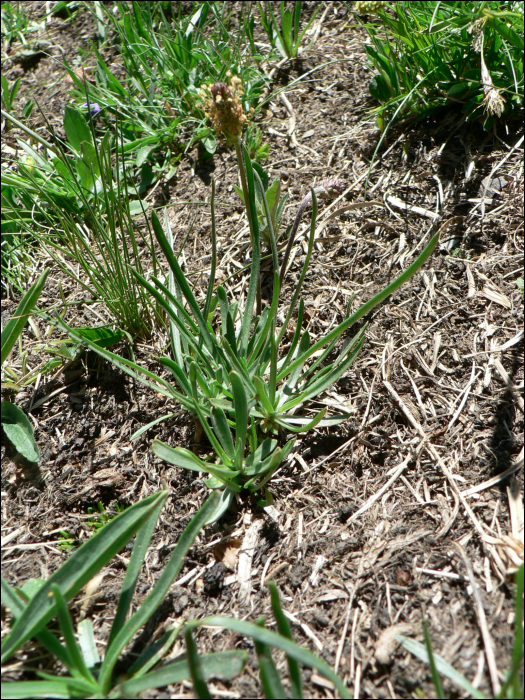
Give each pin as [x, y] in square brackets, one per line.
[270, 680]
[284, 629]
[273, 639]
[16, 323]
[420, 651]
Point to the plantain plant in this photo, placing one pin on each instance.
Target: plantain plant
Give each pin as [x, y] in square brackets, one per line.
[229, 362]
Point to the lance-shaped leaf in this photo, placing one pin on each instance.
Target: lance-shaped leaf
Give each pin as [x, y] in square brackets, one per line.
[155, 597]
[365, 308]
[81, 566]
[180, 457]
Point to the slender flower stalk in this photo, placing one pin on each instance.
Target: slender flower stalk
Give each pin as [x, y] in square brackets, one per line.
[222, 103]
[329, 188]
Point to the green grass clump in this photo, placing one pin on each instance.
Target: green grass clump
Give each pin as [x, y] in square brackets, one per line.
[430, 55]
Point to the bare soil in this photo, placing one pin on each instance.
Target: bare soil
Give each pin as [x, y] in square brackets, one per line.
[430, 392]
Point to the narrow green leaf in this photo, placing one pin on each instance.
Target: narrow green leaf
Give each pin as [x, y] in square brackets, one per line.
[81, 566]
[183, 284]
[442, 666]
[138, 555]
[270, 680]
[199, 684]
[45, 637]
[276, 640]
[284, 629]
[58, 688]
[240, 405]
[221, 427]
[144, 428]
[66, 626]
[224, 665]
[256, 257]
[87, 643]
[262, 393]
[16, 323]
[303, 271]
[364, 309]
[153, 600]
[180, 457]
[211, 281]
[435, 675]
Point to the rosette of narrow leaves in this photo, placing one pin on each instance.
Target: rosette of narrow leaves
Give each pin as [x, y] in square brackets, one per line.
[39, 601]
[236, 377]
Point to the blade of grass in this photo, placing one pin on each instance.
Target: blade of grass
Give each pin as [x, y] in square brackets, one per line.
[138, 554]
[66, 626]
[270, 680]
[365, 308]
[273, 639]
[435, 675]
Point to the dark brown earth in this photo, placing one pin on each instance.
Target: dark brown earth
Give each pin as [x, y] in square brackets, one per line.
[346, 573]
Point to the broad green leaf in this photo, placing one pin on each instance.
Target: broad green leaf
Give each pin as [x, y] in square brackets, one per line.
[18, 429]
[81, 566]
[76, 128]
[16, 323]
[103, 336]
[224, 665]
